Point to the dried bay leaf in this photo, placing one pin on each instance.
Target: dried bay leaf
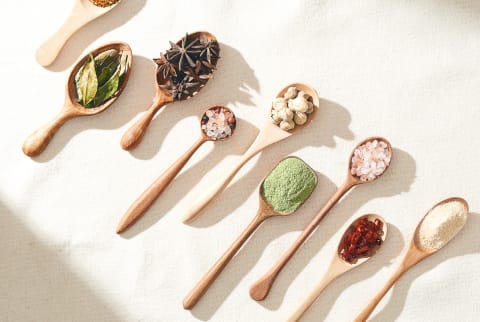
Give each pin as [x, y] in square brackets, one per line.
[87, 82]
[109, 89]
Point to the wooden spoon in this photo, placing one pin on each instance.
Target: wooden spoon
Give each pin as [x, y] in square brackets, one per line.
[148, 197]
[264, 212]
[261, 288]
[82, 13]
[268, 135]
[132, 137]
[415, 253]
[338, 266]
[38, 141]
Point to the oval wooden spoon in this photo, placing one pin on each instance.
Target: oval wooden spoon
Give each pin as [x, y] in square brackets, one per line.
[261, 288]
[132, 137]
[264, 211]
[148, 197]
[268, 135]
[415, 253]
[38, 141]
[82, 13]
[338, 266]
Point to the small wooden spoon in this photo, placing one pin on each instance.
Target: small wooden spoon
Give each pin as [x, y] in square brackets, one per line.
[82, 13]
[148, 197]
[133, 136]
[264, 212]
[338, 266]
[38, 141]
[268, 135]
[415, 253]
[261, 288]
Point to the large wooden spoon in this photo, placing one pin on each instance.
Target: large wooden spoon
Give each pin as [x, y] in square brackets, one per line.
[415, 253]
[38, 141]
[268, 135]
[148, 197]
[261, 288]
[338, 266]
[133, 136]
[264, 211]
[82, 13]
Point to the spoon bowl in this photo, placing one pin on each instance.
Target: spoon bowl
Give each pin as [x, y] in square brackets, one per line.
[133, 136]
[338, 266]
[214, 121]
[414, 254]
[268, 135]
[82, 13]
[260, 289]
[38, 141]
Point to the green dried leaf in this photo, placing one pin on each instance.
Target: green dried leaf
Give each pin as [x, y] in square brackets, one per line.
[109, 89]
[87, 82]
[105, 58]
[105, 75]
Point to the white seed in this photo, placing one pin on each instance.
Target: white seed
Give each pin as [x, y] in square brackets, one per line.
[300, 118]
[286, 114]
[287, 125]
[298, 104]
[279, 103]
[276, 119]
[310, 107]
[291, 93]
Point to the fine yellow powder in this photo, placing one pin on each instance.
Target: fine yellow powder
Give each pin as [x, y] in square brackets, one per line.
[441, 224]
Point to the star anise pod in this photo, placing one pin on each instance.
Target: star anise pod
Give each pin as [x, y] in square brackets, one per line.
[165, 69]
[210, 52]
[183, 89]
[185, 53]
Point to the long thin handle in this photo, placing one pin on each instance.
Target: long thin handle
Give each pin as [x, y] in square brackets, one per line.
[148, 197]
[260, 289]
[365, 313]
[49, 50]
[202, 286]
[134, 135]
[38, 140]
[312, 297]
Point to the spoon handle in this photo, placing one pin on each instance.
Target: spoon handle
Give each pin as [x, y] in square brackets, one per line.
[38, 140]
[132, 137]
[148, 197]
[49, 50]
[202, 286]
[260, 289]
[268, 135]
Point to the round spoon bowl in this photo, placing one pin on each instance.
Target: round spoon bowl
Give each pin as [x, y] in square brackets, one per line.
[90, 6]
[225, 110]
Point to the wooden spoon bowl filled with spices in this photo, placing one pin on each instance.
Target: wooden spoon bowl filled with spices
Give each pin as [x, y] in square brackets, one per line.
[293, 109]
[82, 13]
[438, 227]
[182, 71]
[94, 84]
[218, 123]
[359, 243]
[367, 162]
[281, 193]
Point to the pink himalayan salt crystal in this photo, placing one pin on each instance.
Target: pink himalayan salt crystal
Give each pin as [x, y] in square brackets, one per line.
[370, 160]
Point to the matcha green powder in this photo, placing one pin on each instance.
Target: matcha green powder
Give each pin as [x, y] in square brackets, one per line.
[288, 185]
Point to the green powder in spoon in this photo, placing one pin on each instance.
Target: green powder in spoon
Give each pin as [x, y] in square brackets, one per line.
[288, 185]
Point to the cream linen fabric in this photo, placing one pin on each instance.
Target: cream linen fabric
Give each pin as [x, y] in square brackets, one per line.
[405, 70]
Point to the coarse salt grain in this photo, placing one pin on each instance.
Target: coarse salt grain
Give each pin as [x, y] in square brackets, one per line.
[441, 224]
[218, 123]
[370, 160]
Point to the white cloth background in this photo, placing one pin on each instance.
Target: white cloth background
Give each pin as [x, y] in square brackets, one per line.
[405, 70]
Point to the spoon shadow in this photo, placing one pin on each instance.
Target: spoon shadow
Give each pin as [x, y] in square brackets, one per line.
[231, 85]
[137, 93]
[397, 179]
[80, 40]
[243, 262]
[460, 246]
[390, 250]
[182, 184]
[332, 120]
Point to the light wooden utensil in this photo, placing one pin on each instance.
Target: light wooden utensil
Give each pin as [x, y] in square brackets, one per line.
[82, 13]
[338, 266]
[264, 212]
[261, 288]
[38, 141]
[268, 135]
[415, 253]
[133, 136]
[148, 197]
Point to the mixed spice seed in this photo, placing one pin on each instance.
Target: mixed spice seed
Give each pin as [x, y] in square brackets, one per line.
[291, 109]
[218, 123]
[362, 240]
[370, 160]
[187, 66]
[104, 3]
